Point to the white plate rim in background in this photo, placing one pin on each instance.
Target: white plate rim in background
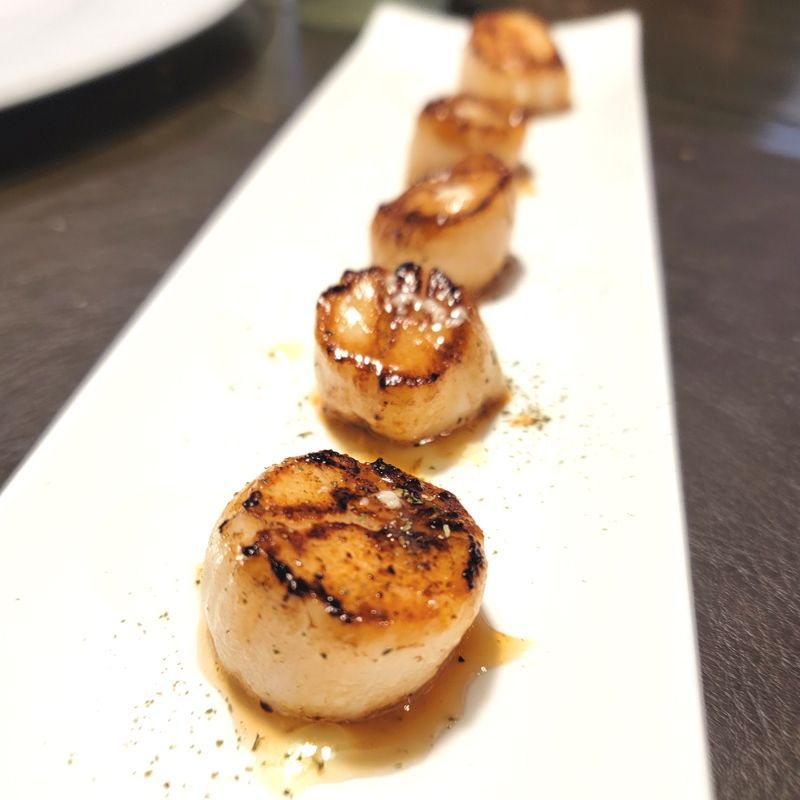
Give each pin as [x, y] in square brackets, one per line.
[50, 45]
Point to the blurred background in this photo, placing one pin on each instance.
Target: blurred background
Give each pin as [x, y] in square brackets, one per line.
[103, 183]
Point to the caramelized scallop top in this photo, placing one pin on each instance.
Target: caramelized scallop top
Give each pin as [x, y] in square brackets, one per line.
[447, 198]
[513, 41]
[403, 327]
[368, 542]
[466, 114]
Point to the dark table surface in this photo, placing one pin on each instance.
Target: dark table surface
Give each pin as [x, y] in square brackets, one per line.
[102, 187]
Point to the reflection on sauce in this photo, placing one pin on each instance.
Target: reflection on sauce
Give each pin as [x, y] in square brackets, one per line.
[423, 460]
[291, 754]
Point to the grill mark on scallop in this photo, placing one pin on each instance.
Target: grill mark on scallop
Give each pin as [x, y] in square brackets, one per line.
[499, 43]
[496, 118]
[401, 210]
[411, 540]
[408, 278]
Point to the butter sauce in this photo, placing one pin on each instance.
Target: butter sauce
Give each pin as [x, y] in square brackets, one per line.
[286, 351]
[292, 754]
[424, 460]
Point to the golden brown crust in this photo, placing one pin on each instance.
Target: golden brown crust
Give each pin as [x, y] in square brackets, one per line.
[513, 41]
[400, 312]
[420, 206]
[369, 542]
[452, 117]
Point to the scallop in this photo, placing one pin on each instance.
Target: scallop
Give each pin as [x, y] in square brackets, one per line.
[450, 128]
[335, 589]
[511, 57]
[458, 221]
[404, 353]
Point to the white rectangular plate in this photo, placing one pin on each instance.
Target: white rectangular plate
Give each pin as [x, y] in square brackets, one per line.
[104, 525]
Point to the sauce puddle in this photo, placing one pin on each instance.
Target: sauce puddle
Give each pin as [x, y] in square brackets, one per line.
[464, 444]
[286, 351]
[290, 754]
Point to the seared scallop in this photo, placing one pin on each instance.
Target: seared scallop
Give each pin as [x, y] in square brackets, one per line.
[335, 589]
[451, 128]
[403, 353]
[511, 56]
[458, 221]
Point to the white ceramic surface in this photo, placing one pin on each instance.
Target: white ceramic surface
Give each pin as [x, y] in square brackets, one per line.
[47, 45]
[105, 523]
